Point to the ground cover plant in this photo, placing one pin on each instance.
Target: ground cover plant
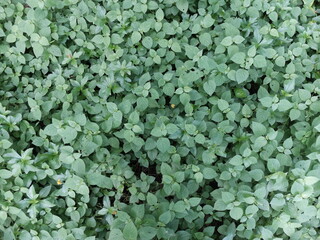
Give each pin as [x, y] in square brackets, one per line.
[168, 119]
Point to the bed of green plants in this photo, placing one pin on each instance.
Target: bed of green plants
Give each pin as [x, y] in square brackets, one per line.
[168, 119]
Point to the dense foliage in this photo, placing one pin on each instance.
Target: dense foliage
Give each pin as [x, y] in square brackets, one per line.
[168, 119]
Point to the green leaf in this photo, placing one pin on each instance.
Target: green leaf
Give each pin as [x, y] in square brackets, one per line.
[269, 52]
[266, 234]
[129, 135]
[294, 114]
[284, 105]
[98, 39]
[134, 117]
[290, 68]
[297, 51]
[223, 104]
[5, 144]
[32, 103]
[151, 199]
[142, 104]
[176, 47]
[68, 134]
[130, 231]
[238, 58]
[43, 41]
[236, 213]
[3, 216]
[191, 51]
[225, 176]
[66, 155]
[116, 234]
[5, 174]
[35, 114]
[258, 129]
[310, 180]
[191, 129]
[198, 177]
[99, 180]
[266, 101]
[200, 138]
[163, 144]
[317, 127]
[27, 27]
[182, 5]
[260, 142]
[259, 61]
[304, 94]
[80, 119]
[227, 41]
[227, 197]
[207, 21]
[50, 130]
[194, 201]
[76, 183]
[55, 50]
[242, 75]
[238, 39]
[236, 160]
[240, 93]
[88, 147]
[280, 61]
[159, 14]
[274, 32]
[252, 51]
[297, 188]
[32, 3]
[207, 157]
[205, 39]
[256, 174]
[37, 49]
[136, 37]
[147, 42]
[116, 38]
[165, 217]
[273, 165]
[209, 173]
[179, 207]
[147, 233]
[79, 166]
[288, 143]
[315, 106]
[219, 205]
[157, 132]
[11, 38]
[209, 87]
